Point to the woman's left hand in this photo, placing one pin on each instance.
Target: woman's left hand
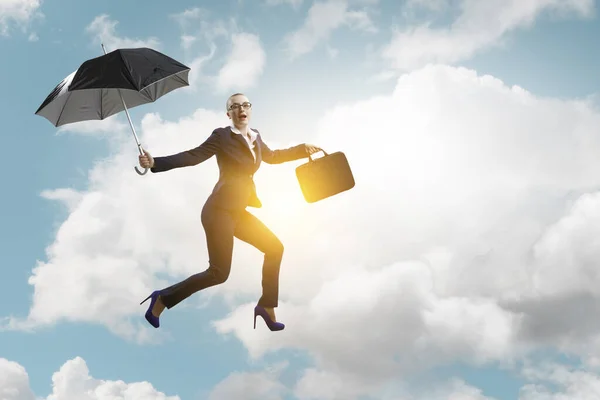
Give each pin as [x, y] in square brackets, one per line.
[311, 149]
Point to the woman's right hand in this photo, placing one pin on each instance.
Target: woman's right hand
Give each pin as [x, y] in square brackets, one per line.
[146, 160]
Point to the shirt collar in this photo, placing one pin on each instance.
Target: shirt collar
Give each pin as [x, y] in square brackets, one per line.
[250, 132]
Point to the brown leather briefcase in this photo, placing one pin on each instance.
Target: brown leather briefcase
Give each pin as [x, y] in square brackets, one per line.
[324, 177]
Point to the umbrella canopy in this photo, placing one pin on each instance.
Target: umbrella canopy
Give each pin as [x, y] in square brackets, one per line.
[100, 86]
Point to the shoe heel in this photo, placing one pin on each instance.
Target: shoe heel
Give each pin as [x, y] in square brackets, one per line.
[152, 320]
[272, 325]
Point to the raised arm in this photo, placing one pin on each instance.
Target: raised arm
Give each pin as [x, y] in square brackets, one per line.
[284, 155]
[188, 158]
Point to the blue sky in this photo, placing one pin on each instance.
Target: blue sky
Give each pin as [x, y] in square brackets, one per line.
[469, 228]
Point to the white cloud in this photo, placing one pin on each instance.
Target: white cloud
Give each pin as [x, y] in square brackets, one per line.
[19, 12]
[103, 239]
[454, 389]
[200, 26]
[197, 77]
[480, 24]
[244, 65]
[104, 30]
[190, 16]
[333, 52]
[360, 20]
[264, 385]
[543, 381]
[294, 3]
[323, 18]
[559, 382]
[112, 127]
[434, 5]
[391, 321]
[468, 228]
[240, 68]
[468, 186]
[69, 197]
[323, 385]
[187, 41]
[14, 382]
[73, 382]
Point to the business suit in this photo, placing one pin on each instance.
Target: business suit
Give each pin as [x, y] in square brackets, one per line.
[224, 215]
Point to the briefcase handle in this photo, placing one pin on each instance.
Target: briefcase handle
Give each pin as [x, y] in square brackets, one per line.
[323, 151]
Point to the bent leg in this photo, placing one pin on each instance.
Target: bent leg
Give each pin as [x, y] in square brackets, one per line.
[252, 231]
[219, 226]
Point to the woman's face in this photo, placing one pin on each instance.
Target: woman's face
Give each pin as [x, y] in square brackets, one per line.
[240, 110]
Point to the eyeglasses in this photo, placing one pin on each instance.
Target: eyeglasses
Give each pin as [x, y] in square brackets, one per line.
[236, 106]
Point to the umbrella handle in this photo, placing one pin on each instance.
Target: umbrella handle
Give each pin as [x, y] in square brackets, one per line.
[138, 171]
[130, 124]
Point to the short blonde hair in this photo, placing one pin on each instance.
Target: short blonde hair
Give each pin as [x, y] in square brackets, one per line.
[228, 103]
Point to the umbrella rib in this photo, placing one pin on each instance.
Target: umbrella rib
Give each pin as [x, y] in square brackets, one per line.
[128, 75]
[181, 80]
[146, 95]
[63, 109]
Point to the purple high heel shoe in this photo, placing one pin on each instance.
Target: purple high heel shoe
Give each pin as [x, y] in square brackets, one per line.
[154, 321]
[272, 325]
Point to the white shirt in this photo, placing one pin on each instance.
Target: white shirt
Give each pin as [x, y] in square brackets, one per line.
[249, 139]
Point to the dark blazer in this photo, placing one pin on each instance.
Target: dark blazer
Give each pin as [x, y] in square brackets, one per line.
[235, 188]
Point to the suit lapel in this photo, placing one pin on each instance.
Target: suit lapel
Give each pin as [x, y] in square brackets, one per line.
[243, 142]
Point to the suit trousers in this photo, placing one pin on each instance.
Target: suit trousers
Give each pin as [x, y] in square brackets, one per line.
[221, 226]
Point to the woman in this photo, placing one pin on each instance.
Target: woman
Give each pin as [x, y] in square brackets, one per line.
[239, 151]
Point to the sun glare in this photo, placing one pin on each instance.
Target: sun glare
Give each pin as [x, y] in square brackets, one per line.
[280, 194]
[288, 201]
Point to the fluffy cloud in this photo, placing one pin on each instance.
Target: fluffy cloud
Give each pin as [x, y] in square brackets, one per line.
[263, 385]
[189, 16]
[73, 382]
[468, 229]
[479, 24]
[19, 12]
[14, 382]
[543, 381]
[243, 63]
[552, 381]
[201, 23]
[112, 128]
[323, 18]
[104, 30]
[109, 242]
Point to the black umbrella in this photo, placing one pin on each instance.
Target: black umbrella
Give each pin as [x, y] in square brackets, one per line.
[108, 84]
